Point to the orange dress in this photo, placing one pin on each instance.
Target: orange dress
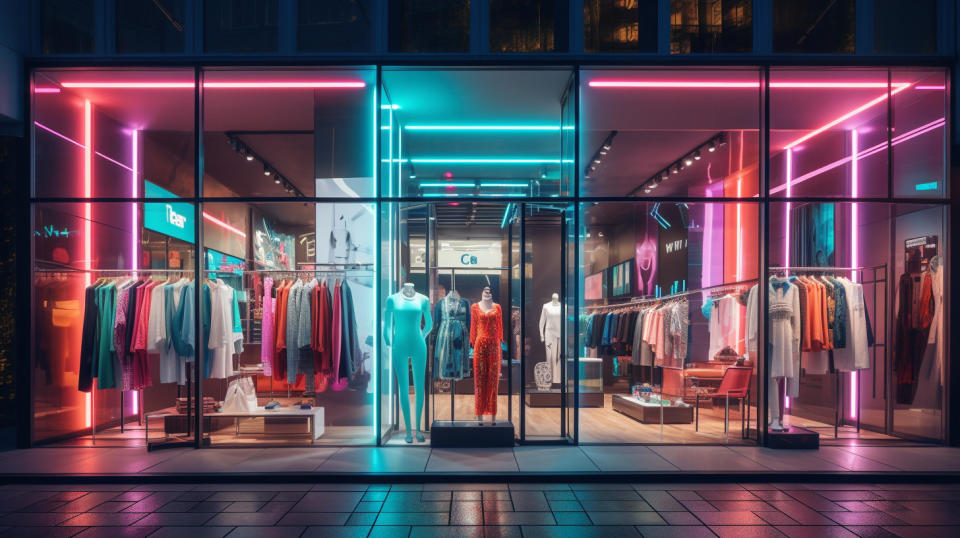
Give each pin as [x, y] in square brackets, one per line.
[486, 333]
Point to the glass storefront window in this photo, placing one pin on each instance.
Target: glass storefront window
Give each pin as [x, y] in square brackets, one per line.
[237, 27]
[102, 374]
[334, 26]
[664, 322]
[99, 133]
[618, 26]
[683, 133]
[145, 26]
[851, 380]
[454, 133]
[289, 133]
[826, 124]
[528, 26]
[711, 26]
[814, 26]
[919, 129]
[428, 26]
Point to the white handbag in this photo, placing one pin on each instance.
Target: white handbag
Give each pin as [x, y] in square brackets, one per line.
[241, 396]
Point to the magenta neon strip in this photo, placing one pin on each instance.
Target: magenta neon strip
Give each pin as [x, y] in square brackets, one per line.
[114, 161]
[867, 153]
[854, 240]
[46, 90]
[225, 84]
[925, 87]
[57, 133]
[719, 84]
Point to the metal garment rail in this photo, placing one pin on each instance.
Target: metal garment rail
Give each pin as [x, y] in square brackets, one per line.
[868, 275]
[453, 382]
[645, 300]
[132, 273]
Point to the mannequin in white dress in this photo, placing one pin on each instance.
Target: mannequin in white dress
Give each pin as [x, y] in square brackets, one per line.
[550, 334]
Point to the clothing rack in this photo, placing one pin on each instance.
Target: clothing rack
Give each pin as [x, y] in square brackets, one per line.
[866, 275]
[645, 300]
[140, 399]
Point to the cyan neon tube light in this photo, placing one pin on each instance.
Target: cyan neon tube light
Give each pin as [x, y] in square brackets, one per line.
[390, 107]
[508, 185]
[931, 186]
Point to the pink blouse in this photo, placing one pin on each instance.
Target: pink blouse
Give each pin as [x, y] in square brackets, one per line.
[266, 328]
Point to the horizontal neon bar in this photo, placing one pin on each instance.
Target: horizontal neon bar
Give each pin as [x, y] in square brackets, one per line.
[934, 87]
[439, 195]
[489, 161]
[482, 127]
[390, 107]
[451, 184]
[222, 224]
[238, 84]
[679, 84]
[524, 185]
[46, 90]
[931, 186]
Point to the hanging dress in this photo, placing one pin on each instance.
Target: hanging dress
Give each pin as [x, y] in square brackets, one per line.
[486, 332]
[451, 355]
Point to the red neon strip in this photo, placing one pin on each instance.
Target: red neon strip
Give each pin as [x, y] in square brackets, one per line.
[87, 226]
[236, 84]
[222, 224]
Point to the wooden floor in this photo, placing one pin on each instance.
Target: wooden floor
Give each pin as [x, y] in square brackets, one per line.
[597, 425]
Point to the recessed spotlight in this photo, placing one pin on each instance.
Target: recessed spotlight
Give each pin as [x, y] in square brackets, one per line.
[713, 147]
[606, 146]
[603, 152]
[664, 175]
[266, 171]
[249, 157]
[597, 161]
[676, 169]
[276, 180]
[696, 155]
[688, 161]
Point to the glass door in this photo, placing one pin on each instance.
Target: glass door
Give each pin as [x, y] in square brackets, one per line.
[547, 359]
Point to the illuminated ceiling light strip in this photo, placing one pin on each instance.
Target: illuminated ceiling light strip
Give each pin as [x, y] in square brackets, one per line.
[61, 135]
[224, 225]
[221, 85]
[503, 194]
[866, 153]
[845, 117]
[933, 87]
[389, 107]
[439, 195]
[46, 90]
[482, 127]
[524, 185]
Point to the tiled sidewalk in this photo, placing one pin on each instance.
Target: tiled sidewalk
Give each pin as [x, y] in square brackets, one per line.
[362, 463]
[684, 510]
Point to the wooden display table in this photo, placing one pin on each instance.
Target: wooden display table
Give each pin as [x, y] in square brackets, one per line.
[272, 419]
[649, 413]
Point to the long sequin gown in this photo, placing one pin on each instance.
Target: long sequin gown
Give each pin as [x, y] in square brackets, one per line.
[486, 333]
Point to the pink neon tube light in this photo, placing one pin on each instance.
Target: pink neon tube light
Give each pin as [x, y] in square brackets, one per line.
[158, 85]
[222, 224]
[854, 240]
[87, 227]
[786, 243]
[46, 90]
[134, 189]
[719, 84]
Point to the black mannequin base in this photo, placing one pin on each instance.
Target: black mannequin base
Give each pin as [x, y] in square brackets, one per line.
[470, 434]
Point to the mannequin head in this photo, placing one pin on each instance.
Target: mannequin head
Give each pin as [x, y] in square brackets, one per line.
[555, 298]
[408, 289]
[486, 295]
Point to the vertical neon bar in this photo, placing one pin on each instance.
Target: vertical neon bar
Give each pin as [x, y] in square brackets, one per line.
[377, 210]
[134, 190]
[786, 242]
[854, 241]
[87, 227]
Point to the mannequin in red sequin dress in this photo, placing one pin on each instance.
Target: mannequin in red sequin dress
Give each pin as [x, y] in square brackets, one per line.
[486, 333]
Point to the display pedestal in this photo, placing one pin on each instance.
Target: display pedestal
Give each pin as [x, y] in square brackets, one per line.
[551, 398]
[469, 434]
[651, 413]
[793, 438]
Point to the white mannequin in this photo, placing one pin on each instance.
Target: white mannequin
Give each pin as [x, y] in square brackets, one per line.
[774, 407]
[550, 334]
[408, 290]
[486, 305]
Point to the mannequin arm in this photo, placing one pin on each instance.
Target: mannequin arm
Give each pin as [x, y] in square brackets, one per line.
[543, 321]
[387, 321]
[427, 318]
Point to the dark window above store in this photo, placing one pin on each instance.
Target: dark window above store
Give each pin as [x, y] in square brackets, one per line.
[620, 25]
[710, 26]
[528, 25]
[150, 26]
[905, 26]
[240, 26]
[814, 26]
[429, 26]
[66, 26]
[334, 25]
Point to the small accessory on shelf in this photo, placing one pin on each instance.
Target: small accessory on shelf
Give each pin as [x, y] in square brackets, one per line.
[272, 405]
[305, 406]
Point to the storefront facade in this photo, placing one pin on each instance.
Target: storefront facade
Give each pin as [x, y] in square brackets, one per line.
[221, 256]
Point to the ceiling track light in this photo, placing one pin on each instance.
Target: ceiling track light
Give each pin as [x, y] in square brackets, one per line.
[694, 155]
[597, 157]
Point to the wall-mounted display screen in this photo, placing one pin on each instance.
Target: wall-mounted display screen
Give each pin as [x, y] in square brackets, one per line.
[593, 287]
[621, 279]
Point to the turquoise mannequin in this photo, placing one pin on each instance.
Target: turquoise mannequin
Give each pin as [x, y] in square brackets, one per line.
[401, 330]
